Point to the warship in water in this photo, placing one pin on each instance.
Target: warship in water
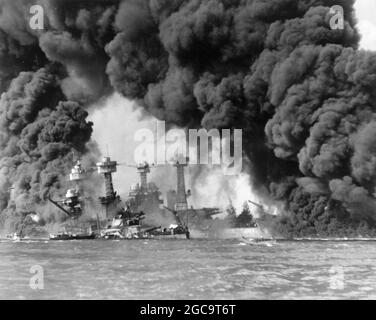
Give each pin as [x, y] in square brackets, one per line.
[144, 215]
[114, 221]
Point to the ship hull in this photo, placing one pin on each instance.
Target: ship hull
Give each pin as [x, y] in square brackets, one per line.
[72, 237]
[171, 237]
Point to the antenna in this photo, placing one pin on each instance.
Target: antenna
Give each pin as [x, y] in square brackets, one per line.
[108, 154]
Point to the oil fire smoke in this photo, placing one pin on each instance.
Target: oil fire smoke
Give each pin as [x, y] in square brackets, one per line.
[303, 93]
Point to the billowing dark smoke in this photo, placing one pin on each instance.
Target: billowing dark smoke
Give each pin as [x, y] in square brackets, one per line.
[47, 77]
[303, 93]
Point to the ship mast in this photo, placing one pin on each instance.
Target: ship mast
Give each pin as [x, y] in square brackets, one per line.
[106, 168]
[76, 176]
[181, 199]
[143, 170]
[73, 196]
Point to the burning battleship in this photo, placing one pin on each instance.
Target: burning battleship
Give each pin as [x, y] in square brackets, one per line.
[144, 214]
[203, 222]
[114, 221]
[290, 82]
[135, 219]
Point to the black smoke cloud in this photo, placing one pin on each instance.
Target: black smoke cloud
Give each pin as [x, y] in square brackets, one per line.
[303, 93]
[47, 78]
[39, 130]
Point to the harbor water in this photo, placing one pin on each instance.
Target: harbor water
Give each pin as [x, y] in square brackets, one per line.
[180, 269]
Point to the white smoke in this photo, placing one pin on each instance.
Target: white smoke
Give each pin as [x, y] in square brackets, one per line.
[115, 123]
[211, 188]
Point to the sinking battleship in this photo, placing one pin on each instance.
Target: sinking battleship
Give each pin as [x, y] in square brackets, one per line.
[202, 222]
[145, 197]
[138, 218]
[72, 206]
[115, 221]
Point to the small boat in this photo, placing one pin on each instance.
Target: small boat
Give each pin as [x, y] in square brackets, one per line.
[64, 236]
[74, 232]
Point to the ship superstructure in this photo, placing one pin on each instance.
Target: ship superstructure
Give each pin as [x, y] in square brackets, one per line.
[110, 201]
[73, 203]
[144, 196]
[181, 195]
[177, 201]
[74, 194]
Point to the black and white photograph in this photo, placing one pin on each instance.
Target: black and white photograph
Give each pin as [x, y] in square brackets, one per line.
[187, 150]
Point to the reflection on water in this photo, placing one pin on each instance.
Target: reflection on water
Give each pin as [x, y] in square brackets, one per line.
[189, 270]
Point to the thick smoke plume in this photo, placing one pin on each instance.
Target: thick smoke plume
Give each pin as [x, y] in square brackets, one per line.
[42, 116]
[303, 93]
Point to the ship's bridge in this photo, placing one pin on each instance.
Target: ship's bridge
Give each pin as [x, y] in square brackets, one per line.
[76, 172]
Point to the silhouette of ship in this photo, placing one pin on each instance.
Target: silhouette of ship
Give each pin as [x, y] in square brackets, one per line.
[119, 222]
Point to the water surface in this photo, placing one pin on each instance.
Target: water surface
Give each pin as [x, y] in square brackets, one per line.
[179, 269]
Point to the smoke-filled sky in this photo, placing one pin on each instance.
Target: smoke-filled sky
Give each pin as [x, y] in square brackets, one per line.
[119, 113]
[303, 93]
